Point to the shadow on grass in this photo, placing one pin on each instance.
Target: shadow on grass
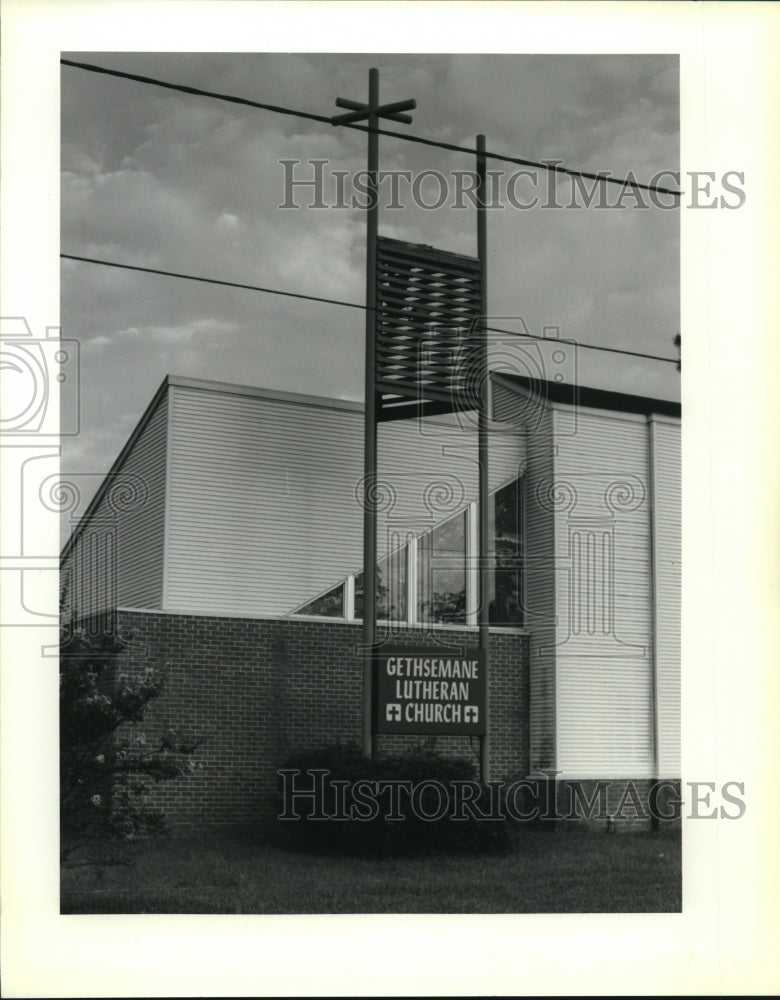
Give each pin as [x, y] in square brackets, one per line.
[581, 871]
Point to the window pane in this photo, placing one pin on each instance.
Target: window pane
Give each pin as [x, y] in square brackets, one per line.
[330, 605]
[441, 573]
[504, 520]
[390, 589]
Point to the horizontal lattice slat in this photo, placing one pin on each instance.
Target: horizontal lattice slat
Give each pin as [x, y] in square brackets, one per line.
[428, 302]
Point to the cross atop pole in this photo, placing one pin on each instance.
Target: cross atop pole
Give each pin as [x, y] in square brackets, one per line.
[360, 112]
[370, 113]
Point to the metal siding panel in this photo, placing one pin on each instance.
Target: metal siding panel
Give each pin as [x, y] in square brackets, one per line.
[603, 584]
[535, 420]
[141, 538]
[666, 445]
[118, 557]
[260, 499]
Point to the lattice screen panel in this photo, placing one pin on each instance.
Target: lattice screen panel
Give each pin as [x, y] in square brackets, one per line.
[428, 302]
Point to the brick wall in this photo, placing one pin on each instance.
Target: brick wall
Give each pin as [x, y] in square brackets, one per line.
[257, 690]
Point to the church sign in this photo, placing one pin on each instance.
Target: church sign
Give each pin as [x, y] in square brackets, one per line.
[429, 691]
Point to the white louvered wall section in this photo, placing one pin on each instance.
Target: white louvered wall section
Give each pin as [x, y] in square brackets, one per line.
[665, 444]
[604, 675]
[116, 557]
[264, 510]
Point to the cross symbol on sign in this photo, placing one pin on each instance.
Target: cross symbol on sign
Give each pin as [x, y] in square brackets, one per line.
[471, 713]
[393, 713]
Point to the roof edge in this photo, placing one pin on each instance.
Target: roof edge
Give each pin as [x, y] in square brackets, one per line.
[257, 392]
[566, 394]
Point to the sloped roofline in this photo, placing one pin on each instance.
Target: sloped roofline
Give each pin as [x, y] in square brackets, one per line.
[581, 395]
[116, 466]
[230, 388]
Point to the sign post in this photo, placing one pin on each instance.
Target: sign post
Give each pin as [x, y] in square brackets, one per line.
[370, 113]
[418, 690]
[484, 374]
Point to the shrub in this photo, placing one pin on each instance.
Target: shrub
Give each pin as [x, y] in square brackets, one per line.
[409, 810]
[107, 767]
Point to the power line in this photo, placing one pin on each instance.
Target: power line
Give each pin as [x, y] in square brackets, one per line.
[279, 109]
[210, 281]
[334, 302]
[590, 347]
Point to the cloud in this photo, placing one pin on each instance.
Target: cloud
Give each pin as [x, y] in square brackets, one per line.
[161, 334]
[182, 183]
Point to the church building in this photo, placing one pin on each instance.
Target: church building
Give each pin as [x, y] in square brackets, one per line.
[226, 545]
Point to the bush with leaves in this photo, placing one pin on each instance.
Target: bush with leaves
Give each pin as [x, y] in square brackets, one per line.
[107, 767]
[417, 833]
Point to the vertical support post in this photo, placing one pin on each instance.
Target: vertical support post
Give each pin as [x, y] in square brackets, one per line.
[411, 580]
[484, 540]
[370, 427]
[472, 564]
[651, 492]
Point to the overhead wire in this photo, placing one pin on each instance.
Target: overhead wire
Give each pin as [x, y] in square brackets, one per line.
[210, 281]
[338, 302]
[552, 165]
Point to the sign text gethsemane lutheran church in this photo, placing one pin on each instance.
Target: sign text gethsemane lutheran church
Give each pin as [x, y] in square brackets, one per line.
[429, 691]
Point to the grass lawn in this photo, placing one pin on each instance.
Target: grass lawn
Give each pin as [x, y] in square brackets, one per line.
[564, 872]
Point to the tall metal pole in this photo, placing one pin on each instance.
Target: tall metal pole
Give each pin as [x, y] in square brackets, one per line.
[370, 446]
[484, 540]
[370, 113]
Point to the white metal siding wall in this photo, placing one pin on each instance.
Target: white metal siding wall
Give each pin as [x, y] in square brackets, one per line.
[118, 557]
[260, 501]
[535, 417]
[141, 541]
[666, 473]
[604, 672]
[264, 508]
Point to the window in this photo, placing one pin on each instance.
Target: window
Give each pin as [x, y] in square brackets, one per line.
[504, 533]
[390, 588]
[446, 577]
[441, 573]
[330, 605]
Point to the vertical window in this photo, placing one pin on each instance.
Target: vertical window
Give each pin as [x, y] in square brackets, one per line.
[390, 588]
[441, 573]
[504, 521]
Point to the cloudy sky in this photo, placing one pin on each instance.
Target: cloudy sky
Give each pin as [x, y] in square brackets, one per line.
[161, 179]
